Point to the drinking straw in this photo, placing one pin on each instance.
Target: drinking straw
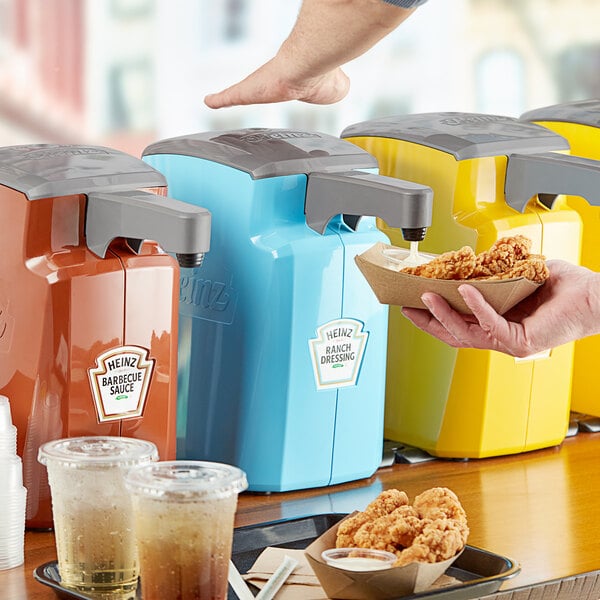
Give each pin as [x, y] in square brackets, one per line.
[278, 578]
[238, 584]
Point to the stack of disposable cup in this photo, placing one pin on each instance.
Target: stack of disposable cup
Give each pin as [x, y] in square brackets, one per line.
[12, 493]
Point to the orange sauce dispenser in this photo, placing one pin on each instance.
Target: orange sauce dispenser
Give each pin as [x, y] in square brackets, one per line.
[88, 307]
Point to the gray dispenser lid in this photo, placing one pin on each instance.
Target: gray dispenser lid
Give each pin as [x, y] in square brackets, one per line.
[53, 170]
[583, 112]
[263, 152]
[464, 135]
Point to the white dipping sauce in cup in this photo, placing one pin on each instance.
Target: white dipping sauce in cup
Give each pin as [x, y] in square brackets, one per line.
[358, 559]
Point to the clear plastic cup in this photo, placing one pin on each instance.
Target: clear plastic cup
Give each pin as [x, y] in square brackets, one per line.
[8, 432]
[13, 497]
[184, 515]
[92, 512]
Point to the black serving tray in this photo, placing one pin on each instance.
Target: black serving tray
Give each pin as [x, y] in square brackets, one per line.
[479, 571]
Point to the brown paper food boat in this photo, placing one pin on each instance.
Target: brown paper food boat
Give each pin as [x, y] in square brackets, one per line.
[402, 289]
[374, 585]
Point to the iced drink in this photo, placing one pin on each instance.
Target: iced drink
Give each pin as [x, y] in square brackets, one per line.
[184, 513]
[92, 512]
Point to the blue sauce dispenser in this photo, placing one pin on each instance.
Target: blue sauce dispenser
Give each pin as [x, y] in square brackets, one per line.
[282, 346]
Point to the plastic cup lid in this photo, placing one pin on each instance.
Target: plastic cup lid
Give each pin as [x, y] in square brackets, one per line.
[186, 480]
[97, 451]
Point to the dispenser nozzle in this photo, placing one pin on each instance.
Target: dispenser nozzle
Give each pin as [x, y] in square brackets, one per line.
[190, 261]
[414, 235]
[180, 228]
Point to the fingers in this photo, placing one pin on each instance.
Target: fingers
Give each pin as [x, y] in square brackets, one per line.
[270, 84]
[440, 320]
[484, 328]
[424, 320]
[456, 329]
[495, 330]
[458, 326]
[263, 86]
[219, 100]
[241, 93]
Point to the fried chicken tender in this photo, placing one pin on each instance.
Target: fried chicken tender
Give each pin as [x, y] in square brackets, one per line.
[533, 268]
[502, 256]
[508, 258]
[389, 532]
[384, 504]
[458, 264]
[433, 529]
[440, 503]
[439, 540]
[387, 502]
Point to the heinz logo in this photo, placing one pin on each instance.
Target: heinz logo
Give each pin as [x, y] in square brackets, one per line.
[209, 299]
[474, 120]
[119, 382]
[54, 151]
[277, 135]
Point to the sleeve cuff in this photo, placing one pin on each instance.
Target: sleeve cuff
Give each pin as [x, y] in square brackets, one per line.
[405, 3]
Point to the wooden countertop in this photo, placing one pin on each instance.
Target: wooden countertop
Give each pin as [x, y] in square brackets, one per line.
[540, 508]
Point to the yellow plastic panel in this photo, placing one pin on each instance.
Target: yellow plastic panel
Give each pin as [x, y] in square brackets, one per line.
[585, 142]
[470, 403]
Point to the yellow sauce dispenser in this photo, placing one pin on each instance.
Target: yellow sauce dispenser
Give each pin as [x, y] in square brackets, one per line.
[469, 403]
[579, 123]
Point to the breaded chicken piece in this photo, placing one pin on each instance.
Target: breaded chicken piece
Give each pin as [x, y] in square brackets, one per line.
[439, 503]
[433, 529]
[390, 532]
[533, 268]
[384, 504]
[508, 258]
[440, 539]
[387, 502]
[348, 527]
[502, 256]
[458, 264]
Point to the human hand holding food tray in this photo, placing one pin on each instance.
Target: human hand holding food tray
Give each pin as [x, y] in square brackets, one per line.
[505, 274]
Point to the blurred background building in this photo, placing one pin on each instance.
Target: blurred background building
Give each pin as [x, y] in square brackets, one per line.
[124, 73]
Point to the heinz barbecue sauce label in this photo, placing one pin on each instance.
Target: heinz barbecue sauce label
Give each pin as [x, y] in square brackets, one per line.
[120, 382]
[337, 353]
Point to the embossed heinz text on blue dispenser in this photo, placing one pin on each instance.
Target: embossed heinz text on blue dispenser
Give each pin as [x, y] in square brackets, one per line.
[282, 343]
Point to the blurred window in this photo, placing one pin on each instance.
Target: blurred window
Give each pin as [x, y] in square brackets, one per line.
[500, 82]
[385, 106]
[131, 8]
[235, 25]
[578, 73]
[130, 96]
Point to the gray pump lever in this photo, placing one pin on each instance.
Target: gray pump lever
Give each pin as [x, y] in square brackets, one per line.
[399, 203]
[178, 227]
[550, 174]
